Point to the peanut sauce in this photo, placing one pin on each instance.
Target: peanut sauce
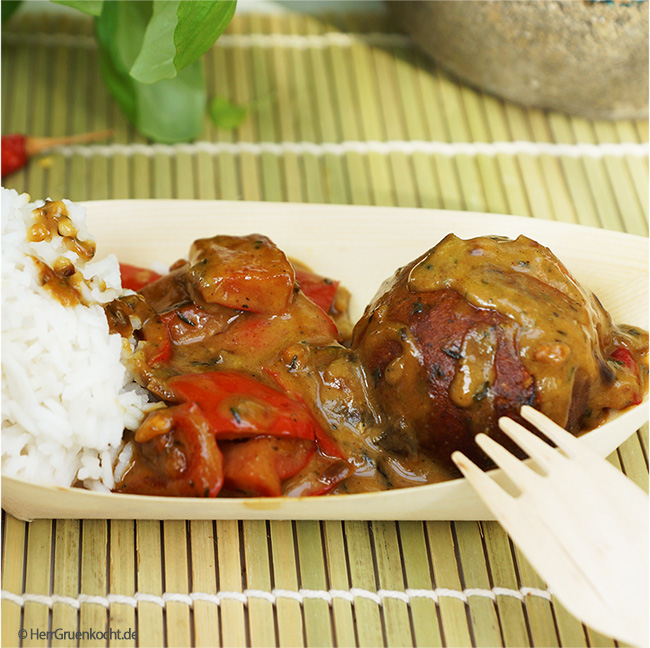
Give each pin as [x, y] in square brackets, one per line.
[62, 280]
[294, 346]
[559, 324]
[468, 332]
[477, 328]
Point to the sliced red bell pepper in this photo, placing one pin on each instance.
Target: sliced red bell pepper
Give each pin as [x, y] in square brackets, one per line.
[621, 354]
[239, 406]
[132, 310]
[257, 467]
[320, 290]
[134, 278]
[624, 356]
[179, 456]
[261, 335]
[318, 477]
[325, 444]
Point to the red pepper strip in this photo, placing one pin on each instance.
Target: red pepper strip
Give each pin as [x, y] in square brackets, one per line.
[318, 477]
[14, 154]
[178, 456]
[621, 354]
[17, 149]
[319, 289]
[134, 278]
[257, 467]
[325, 444]
[239, 406]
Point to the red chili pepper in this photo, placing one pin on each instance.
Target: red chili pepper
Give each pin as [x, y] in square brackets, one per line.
[14, 153]
[17, 148]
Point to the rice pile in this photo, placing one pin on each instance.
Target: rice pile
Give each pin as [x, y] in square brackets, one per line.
[66, 397]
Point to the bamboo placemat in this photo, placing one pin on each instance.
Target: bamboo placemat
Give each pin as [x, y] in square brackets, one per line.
[344, 110]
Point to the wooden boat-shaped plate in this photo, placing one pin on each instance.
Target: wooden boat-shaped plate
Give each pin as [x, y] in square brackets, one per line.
[361, 246]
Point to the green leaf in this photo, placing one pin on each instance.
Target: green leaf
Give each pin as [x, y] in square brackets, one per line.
[199, 25]
[226, 114]
[170, 110]
[178, 34]
[8, 7]
[156, 58]
[120, 30]
[91, 7]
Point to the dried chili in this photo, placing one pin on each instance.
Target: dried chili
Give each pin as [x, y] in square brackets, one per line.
[14, 153]
[18, 148]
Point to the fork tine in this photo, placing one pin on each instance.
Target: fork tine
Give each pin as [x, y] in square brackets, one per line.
[491, 493]
[520, 474]
[563, 439]
[540, 451]
[583, 526]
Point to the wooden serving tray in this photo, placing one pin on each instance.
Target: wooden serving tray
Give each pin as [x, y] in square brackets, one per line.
[361, 246]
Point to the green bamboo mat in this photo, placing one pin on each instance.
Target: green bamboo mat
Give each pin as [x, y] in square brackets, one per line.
[343, 110]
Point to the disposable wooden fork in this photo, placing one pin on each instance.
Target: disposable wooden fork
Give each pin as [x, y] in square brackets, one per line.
[580, 522]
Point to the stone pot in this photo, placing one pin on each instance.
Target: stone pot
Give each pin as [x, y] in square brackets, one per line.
[582, 57]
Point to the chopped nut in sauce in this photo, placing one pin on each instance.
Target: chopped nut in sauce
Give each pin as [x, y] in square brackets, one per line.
[62, 280]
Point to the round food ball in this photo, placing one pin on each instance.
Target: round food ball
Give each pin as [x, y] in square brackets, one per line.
[474, 329]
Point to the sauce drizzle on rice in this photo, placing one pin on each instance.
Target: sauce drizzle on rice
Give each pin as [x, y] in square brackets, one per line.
[66, 396]
[62, 280]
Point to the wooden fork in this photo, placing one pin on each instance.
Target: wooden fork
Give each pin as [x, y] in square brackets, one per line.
[580, 522]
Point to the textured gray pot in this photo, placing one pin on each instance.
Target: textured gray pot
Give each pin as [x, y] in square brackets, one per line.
[581, 57]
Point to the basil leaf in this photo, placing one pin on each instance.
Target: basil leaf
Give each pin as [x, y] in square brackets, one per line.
[156, 58]
[120, 30]
[226, 114]
[178, 34]
[199, 25]
[131, 22]
[8, 7]
[91, 7]
[170, 110]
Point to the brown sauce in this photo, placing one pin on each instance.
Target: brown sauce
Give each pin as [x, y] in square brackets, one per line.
[288, 341]
[560, 326]
[485, 326]
[62, 280]
[468, 332]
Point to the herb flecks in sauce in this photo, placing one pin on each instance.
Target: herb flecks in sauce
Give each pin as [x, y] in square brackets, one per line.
[469, 332]
[499, 324]
[525, 282]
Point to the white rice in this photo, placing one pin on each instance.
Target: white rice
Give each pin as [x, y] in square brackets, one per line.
[66, 396]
